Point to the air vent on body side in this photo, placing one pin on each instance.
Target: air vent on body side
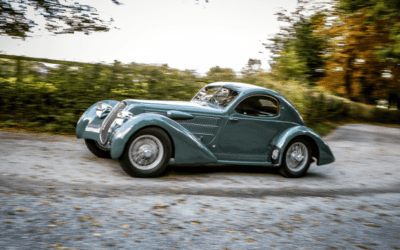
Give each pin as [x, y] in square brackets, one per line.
[202, 126]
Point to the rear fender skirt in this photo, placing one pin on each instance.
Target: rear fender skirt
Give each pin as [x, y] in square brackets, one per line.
[89, 124]
[188, 149]
[324, 153]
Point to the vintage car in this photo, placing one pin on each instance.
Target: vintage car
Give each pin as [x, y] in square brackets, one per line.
[224, 123]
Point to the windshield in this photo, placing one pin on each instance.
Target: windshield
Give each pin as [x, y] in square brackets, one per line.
[217, 95]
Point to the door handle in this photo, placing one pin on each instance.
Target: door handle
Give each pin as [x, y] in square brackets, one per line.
[233, 119]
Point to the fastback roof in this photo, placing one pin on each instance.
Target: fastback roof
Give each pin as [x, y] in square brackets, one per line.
[241, 87]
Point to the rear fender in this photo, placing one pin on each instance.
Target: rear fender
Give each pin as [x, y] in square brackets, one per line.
[89, 124]
[324, 154]
[188, 149]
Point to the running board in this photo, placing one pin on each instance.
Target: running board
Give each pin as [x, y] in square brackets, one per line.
[252, 163]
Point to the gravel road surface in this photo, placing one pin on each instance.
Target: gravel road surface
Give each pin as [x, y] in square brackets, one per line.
[54, 193]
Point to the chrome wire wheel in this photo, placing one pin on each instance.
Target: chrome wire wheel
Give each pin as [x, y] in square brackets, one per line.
[146, 152]
[297, 157]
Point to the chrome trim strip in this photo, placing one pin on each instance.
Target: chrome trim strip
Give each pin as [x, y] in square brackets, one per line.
[196, 133]
[154, 112]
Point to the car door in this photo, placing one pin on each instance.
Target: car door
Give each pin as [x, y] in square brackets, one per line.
[250, 127]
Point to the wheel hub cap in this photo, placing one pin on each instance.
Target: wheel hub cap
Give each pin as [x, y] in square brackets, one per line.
[296, 157]
[146, 152]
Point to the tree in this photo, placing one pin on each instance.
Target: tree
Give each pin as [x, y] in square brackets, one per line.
[378, 10]
[61, 18]
[252, 67]
[289, 65]
[354, 70]
[254, 64]
[221, 74]
[310, 47]
[296, 49]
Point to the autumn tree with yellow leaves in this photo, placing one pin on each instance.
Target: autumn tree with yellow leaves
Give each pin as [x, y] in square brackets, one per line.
[349, 48]
[355, 70]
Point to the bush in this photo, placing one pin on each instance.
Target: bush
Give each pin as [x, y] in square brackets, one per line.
[56, 101]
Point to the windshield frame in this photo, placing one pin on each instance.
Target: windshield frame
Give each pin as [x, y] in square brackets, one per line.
[200, 97]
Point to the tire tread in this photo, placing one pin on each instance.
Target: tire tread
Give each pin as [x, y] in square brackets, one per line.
[94, 149]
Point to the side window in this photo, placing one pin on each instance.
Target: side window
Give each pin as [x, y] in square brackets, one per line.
[258, 106]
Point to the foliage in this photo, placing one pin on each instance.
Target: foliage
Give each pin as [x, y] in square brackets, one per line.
[353, 69]
[60, 18]
[345, 52]
[252, 67]
[296, 50]
[310, 47]
[218, 74]
[53, 99]
[378, 10]
[58, 98]
[289, 64]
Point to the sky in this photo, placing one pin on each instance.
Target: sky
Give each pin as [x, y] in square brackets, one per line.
[185, 34]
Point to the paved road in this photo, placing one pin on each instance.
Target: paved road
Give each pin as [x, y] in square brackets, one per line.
[56, 194]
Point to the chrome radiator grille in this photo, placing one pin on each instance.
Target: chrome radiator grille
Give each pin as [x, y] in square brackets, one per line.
[109, 120]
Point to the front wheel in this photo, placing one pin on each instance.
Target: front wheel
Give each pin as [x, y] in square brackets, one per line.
[147, 153]
[97, 149]
[296, 159]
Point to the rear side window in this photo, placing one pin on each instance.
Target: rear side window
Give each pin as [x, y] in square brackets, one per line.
[258, 106]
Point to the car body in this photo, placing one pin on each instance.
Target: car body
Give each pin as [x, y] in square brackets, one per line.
[225, 123]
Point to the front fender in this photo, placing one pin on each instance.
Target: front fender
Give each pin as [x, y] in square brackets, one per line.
[324, 153]
[89, 124]
[188, 149]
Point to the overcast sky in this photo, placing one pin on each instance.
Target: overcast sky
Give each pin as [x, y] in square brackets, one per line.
[185, 34]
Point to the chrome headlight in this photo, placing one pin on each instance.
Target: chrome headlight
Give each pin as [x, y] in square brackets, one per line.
[103, 110]
[123, 116]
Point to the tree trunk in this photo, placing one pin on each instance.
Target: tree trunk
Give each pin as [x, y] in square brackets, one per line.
[348, 72]
[393, 100]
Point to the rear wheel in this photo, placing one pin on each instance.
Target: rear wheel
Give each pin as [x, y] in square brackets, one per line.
[296, 159]
[97, 149]
[147, 153]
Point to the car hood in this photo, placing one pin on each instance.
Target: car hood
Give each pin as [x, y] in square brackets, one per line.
[191, 107]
